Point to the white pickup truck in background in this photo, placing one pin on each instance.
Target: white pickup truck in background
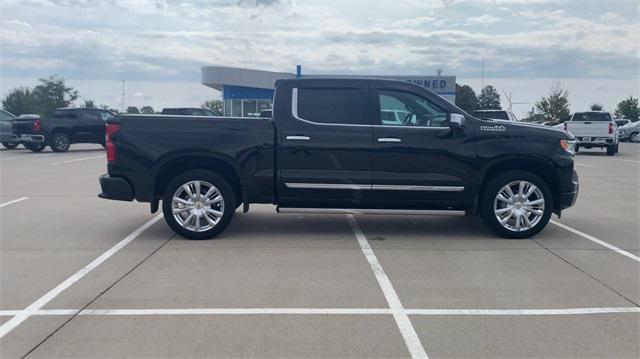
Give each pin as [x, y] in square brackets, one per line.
[594, 129]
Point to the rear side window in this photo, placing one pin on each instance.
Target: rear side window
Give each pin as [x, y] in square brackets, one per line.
[592, 116]
[65, 114]
[333, 105]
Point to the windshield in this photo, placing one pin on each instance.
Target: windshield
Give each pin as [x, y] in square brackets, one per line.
[591, 116]
[5, 116]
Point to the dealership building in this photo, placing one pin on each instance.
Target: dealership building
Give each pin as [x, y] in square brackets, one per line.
[246, 92]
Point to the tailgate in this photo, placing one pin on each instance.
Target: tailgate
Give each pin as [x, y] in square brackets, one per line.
[589, 128]
[22, 126]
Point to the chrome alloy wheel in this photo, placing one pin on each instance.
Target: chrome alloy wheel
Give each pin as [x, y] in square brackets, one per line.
[635, 137]
[197, 206]
[519, 206]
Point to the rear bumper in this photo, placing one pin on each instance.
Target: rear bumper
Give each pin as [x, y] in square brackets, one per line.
[24, 138]
[115, 188]
[595, 141]
[568, 199]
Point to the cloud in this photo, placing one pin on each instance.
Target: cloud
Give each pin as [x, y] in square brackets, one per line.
[483, 20]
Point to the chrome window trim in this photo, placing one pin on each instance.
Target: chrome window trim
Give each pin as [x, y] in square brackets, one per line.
[294, 113]
[375, 187]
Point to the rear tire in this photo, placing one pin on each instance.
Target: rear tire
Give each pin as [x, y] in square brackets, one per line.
[611, 150]
[60, 142]
[201, 215]
[35, 147]
[521, 216]
[10, 145]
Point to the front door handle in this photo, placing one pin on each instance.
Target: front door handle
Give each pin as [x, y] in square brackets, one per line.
[389, 139]
[298, 138]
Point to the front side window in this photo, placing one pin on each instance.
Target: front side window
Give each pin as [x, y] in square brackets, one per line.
[333, 105]
[409, 110]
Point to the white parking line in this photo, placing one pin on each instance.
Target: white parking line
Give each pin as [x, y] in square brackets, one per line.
[625, 160]
[403, 322]
[580, 164]
[327, 311]
[77, 160]
[597, 241]
[42, 301]
[14, 201]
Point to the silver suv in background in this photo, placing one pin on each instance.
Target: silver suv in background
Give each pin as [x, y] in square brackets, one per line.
[630, 132]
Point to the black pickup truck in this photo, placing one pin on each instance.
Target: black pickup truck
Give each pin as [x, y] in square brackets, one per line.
[67, 126]
[328, 146]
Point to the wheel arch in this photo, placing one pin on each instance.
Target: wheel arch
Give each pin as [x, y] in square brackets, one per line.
[173, 166]
[540, 167]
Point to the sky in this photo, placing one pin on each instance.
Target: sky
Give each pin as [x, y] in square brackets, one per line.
[592, 47]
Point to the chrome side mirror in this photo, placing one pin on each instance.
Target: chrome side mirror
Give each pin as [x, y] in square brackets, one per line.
[456, 120]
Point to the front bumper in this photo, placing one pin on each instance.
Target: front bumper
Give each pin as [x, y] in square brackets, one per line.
[115, 188]
[568, 199]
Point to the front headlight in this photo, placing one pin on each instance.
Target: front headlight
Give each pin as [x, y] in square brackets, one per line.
[569, 146]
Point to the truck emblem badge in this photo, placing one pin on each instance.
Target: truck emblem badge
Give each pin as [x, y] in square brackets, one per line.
[496, 128]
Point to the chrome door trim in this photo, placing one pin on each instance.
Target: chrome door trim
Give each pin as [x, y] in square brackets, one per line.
[294, 113]
[328, 186]
[375, 187]
[385, 187]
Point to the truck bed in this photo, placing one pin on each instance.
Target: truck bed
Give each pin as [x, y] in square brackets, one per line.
[146, 145]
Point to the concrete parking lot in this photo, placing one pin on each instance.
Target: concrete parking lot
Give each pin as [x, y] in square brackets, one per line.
[84, 277]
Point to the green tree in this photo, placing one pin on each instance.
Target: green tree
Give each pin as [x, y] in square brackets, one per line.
[555, 107]
[213, 105]
[489, 99]
[89, 104]
[466, 98]
[132, 109]
[627, 108]
[534, 117]
[147, 110]
[596, 107]
[20, 101]
[52, 93]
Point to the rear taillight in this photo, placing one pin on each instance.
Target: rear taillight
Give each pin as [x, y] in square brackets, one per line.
[36, 124]
[610, 127]
[110, 130]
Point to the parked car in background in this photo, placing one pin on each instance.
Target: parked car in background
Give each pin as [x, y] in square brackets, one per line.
[189, 111]
[10, 131]
[6, 130]
[25, 130]
[70, 125]
[621, 122]
[328, 147]
[630, 132]
[594, 129]
[499, 115]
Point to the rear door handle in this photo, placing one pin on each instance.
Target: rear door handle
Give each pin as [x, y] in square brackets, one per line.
[389, 139]
[298, 138]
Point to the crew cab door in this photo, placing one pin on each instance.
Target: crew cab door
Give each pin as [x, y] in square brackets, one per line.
[325, 145]
[420, 162]
[90, 127]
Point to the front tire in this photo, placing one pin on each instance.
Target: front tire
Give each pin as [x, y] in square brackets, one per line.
[198, 204]
[35, 147]
[634, 137]
[60, 142]
[516, 204]
[10, 145]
